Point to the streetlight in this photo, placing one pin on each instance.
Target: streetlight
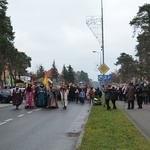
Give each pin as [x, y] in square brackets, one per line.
[102, 30]
[99, 57]
[99, 52]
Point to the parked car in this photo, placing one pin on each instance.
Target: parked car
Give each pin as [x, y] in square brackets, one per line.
[5, 96]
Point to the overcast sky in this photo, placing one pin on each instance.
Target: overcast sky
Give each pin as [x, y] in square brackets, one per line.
[48, 30]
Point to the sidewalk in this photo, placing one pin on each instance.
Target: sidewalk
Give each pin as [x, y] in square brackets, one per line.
[139, 117]
[8, 104]
[5, 105]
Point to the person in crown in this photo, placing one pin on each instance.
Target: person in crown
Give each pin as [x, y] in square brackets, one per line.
[16, 96]
[29, 98]
[64, 95]
[41, 96]
[52, 98]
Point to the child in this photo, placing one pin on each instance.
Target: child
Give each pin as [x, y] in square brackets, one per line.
[82, 96]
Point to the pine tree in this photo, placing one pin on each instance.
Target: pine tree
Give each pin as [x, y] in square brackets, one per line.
[54, 75]
[141, 24]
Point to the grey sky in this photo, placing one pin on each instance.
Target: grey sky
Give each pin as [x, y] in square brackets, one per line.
[48, 30]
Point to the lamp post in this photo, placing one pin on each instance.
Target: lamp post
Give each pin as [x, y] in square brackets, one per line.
[102, 30]
[102, 47]
[99, 57]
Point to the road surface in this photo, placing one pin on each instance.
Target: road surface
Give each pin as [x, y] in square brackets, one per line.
[41, 128]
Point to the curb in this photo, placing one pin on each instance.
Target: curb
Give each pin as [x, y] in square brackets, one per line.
[79, 141]
[4, 105]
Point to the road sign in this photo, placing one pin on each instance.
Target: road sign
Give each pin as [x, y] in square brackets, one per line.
[103, 68]
[104, 78]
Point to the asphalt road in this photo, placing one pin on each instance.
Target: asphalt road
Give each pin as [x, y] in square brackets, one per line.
[41, 128]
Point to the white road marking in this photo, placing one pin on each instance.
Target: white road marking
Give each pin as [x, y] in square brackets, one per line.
[29, 112]
[39, 109]
[2, 123]
[20, 115]
[8, 119]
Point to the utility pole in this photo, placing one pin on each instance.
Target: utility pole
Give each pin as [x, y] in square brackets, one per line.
[102, 25]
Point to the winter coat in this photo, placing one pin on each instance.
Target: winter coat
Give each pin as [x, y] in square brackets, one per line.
[114, 94]
[108, 94]
[139, 91]
[145, 91]
[130, 92]
[91, 93]
[98, 93]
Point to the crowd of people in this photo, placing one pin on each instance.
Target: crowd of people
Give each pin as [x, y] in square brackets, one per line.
[40, 96]
[128, 93]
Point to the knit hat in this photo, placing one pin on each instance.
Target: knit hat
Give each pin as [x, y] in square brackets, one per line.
[108, 85]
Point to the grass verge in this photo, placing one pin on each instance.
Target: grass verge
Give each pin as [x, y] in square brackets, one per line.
[111, 130]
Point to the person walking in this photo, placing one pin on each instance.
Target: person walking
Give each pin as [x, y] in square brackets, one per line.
[64, 95]
[139, 96]
[72, 93]
[124, 89]
[145, 91]
[77, 91]
[130, 94]
[16, 97]
[98, 93]
[41, 96]
[91, 95]
[87, 93]
[114, 96]
[29, 100]
[82, 96]
[108, 95]
[52, 98]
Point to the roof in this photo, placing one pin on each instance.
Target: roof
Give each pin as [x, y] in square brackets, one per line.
[41, 80]
[49, 73]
